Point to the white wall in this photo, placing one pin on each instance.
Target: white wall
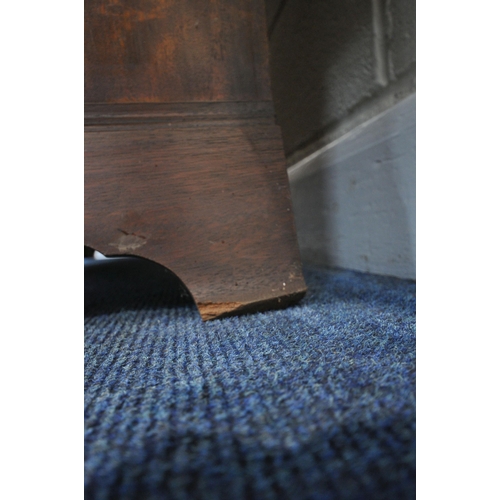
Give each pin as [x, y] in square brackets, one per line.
[354, 198]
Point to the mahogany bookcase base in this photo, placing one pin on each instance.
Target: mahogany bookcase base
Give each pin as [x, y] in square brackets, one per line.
[200, 188]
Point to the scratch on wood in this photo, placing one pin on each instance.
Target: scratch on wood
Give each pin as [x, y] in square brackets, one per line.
[128, 242]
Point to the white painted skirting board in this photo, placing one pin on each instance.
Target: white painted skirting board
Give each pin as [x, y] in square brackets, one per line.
[354, 199]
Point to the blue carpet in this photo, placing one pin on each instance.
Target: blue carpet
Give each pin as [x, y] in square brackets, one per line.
[316, 401]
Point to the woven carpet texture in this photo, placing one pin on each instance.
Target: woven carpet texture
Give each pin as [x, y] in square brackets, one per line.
[316, 401]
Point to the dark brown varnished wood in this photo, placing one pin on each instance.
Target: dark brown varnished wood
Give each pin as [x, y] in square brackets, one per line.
[209, 202]
[184, 164]
[175, 51]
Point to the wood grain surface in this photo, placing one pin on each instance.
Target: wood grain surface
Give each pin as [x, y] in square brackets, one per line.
[184, 164]
[210, 202]
[175, 51]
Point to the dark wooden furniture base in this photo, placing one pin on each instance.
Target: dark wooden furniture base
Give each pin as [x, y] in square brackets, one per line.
[190, 176]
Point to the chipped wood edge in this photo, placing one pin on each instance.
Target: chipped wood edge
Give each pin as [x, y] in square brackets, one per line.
[218, 310]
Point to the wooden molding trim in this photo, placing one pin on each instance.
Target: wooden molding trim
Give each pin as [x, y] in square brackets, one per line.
[189, 113]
